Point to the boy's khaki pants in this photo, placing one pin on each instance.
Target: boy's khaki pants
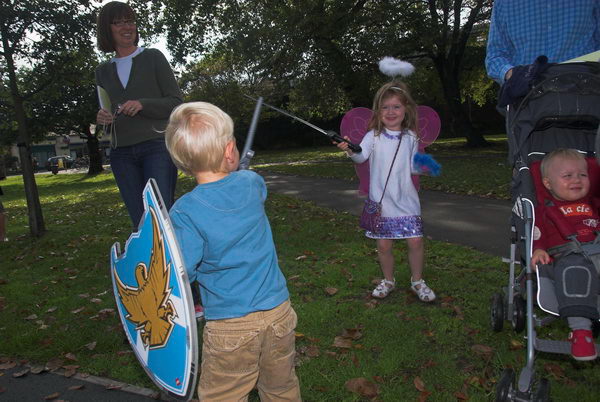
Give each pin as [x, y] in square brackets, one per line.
[255, 350]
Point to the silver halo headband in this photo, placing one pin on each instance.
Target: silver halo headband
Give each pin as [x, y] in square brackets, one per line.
[398, 88]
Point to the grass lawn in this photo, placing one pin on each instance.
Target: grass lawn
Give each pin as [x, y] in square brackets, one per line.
[57, 306]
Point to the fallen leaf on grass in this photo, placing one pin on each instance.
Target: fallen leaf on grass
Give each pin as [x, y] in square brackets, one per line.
[91, 345]
[7, 366]
[347, 274]
[52, 396]
[419, 384]
[20, 373]
[515, 344]
[483, 350]
[71, 357]
[300, 257]
[423, 396]
[313, 351]
[371, 303]
[75, 387]
[461, 396]
[555, 370]
[341, 342]
[38, 369]
[31, 317]
[54, 364]
[363, 387]
[46, 341]
[331, 291]
[352, 333]
[299, 335]
[96, 300]
[429, 333]
[428, 364]
[78, 310]
[52, 309]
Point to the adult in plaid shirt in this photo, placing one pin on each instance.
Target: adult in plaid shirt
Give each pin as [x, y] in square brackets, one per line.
[522, 30]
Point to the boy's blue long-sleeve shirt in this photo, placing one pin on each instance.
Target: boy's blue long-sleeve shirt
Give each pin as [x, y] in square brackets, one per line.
[227, 246]
[522, 30]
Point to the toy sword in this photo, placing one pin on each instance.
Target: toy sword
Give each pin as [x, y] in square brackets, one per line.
[331, 134]
[247, 152]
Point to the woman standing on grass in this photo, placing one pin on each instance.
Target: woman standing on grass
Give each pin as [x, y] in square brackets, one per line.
[390, 147]
[143, 91]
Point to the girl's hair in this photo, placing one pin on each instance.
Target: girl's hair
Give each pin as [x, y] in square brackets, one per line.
[400, 90]
[562, 153]
[197, 135]
[109, 13]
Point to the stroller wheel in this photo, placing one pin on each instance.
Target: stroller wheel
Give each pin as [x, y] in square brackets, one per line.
[497, 312]
[518, 318]
[543, 391]
[505, 386]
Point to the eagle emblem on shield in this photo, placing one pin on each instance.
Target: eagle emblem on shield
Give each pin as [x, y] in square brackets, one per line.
[148, 305]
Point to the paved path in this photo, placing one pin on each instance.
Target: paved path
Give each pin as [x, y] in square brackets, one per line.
[480, 223]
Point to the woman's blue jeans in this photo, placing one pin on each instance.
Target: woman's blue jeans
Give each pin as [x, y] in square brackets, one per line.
[133, 165]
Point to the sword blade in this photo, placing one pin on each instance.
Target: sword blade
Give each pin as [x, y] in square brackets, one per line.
[319, 129]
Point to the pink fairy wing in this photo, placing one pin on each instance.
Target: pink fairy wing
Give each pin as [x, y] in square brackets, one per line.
[428, 125]
[354, 126]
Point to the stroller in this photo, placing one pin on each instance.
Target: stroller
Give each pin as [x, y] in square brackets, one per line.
[561, 110]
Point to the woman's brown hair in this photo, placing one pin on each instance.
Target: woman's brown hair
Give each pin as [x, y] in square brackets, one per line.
[110, 12]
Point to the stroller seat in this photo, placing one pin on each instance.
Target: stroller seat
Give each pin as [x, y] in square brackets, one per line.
[546, 296]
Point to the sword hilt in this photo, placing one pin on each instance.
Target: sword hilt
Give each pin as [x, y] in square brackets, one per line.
[338, 138]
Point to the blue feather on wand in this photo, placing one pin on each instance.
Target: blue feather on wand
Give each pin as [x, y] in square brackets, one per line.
[426, 165]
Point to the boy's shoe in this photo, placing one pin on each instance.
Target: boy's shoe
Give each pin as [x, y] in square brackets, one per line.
[423, 292]
[384, 288]
[582, 345]
[199, 311]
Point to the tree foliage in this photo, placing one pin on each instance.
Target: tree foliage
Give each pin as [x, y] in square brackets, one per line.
[35, 37]
[319, 57]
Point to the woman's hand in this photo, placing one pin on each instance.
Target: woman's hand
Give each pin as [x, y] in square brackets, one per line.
[104, 117]
[130, 108]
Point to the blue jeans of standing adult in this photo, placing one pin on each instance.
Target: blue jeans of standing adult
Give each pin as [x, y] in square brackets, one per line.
[133, 165]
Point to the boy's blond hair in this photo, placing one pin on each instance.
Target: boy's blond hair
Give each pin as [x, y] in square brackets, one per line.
[564, 153]
[197, 135]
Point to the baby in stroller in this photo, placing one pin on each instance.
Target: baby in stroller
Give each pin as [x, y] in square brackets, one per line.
[567, 221]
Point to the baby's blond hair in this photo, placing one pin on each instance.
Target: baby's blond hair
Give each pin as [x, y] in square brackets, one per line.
[197, 135]
[564, 153]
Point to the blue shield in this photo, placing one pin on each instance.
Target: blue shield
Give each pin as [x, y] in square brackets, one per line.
[154, 300]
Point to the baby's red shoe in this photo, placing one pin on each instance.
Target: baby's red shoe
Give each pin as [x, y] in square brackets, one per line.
[582, 345]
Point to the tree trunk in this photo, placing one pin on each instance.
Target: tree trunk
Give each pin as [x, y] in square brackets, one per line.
[34, 208]
[459, 121]
[93, 146]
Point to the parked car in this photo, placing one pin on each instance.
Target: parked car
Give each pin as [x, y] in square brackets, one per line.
[67, 162]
